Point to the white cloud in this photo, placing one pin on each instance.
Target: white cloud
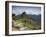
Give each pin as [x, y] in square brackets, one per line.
[29, 10]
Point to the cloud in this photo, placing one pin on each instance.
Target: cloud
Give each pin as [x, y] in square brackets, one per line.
[29, 10]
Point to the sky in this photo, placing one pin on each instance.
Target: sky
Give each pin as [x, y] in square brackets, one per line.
[28, 9]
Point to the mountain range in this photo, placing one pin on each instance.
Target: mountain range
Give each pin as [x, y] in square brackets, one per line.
[34, 17]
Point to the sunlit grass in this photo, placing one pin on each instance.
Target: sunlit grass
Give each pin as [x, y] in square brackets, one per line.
[25, 24]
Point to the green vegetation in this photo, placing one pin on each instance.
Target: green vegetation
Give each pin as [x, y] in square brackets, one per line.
[25, 24]
[26, 21]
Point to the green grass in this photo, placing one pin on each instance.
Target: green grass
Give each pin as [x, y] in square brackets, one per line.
[26, 24]
[30, 26]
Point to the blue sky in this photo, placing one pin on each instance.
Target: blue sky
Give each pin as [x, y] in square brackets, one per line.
[28, 9]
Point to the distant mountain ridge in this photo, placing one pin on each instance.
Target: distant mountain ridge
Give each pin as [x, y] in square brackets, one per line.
[34, 17]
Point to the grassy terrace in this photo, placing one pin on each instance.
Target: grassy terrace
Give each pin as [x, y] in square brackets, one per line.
[25, 24]
[29, 25]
